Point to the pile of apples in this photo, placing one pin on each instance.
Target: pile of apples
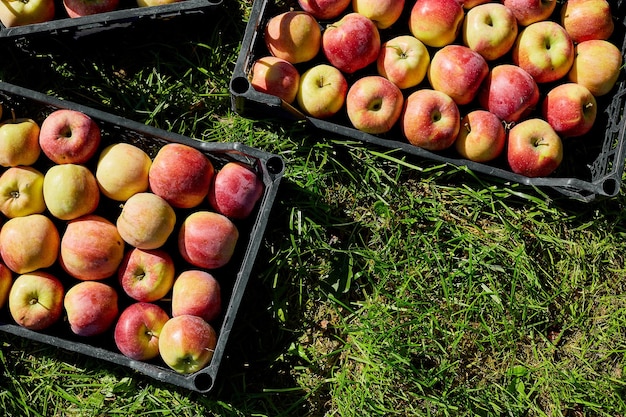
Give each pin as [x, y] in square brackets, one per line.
[510, 79]
[91, 234]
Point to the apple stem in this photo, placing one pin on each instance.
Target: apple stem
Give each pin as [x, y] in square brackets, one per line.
[13, 116]
[588, 105]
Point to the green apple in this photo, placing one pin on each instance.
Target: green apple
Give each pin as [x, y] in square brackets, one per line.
[21, 192]
[187, 343]
[122, 171]
[26, 12]
[36, 300]
[322, 91]
[70, 191]
[19, 141]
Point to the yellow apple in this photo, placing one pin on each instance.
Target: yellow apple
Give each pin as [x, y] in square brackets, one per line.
[70, 191]
[19, 142]
[122, 171]
[26, 12]
[597, 66]
[21, 192]
[148, 3]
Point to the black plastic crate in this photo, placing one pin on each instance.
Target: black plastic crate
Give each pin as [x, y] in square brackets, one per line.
[233, 277]
[592, 165]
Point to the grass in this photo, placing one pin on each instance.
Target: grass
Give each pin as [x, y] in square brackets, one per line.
[385, 285]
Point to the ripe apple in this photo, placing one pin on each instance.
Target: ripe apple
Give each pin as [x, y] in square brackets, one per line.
[21, 191]
[597, 66]
[69, 136]
[482, 136]
[6, 281]
[25, 12]
[509, 92]
[122, 170]
[294, 36]
[490, 29]
[19, 141]
[70, 191]
[91, 307]
[235, 190]
[430, 119]
[324, 9]
[198, 293]
[403, 60]
[351, 43]
[457, 71]
[383, 13]
[29, 243]
[530, 11]
[187, 343]
[322, 91]
[181, 175]
[36, 300]
[374, 104]
[534, 148]
[437, 23]
[587, 19]
[544, 50]
[207, 239]
[80, 8]
[91, 248]
[146, 275]
[146, 221]
[275, 76]
[137, 330]
[469, 4]
[570, 108]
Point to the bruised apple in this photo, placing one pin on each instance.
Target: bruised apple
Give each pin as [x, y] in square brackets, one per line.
[207, 239]
[235, 190]
[146, 221]
[91, 307]
[196, 292]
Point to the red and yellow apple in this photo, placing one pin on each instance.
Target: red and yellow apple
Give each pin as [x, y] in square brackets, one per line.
[19, 142]
[21, 191]
[80, 8]
[294, 36]
[122, 170]
[137, 330]
[374, 104]
[6, 282]
[207, 239]
[437, 23]
[26, 12]
[482, 136]
[36, 300]
[235, 190]
[597, 66]
[570, 108]
[198, 293]
[91, 307]
[324, 9]
[146, 275]
[275, 76]
[146, 221]
[69, 136]
[29, 243]
[490, 29]
[187, 343]
[528, 12]
[587, 19]
[534, 149]
[70, 191]
[322, 91]
[403, 60]
[383, 13]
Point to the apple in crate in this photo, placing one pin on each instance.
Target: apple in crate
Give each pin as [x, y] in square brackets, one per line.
[403, 60]
[146, 221]
[29, 243]
[322, 91]
[324, 9]
[528, 12]
[36, 300]
[437, 23]
[482, 136]
[146, 275]
[275, 76]
[374, 104]
[587, 19]
[91, 248]
[70, 191]
[122, 170]
[187, 343]
[235, 190]
[597, 66]
[198, 293]
[207, 239]
[80, 8]
[137, 330]
[19, 142]
[91, 307]
[150, 3]
[570, 108]
[21, 191]
[469, 4]
[430, 119]
[383, 13]
[534, 149]
[294, 36]
[351, 43]
[69, 137]
[490, 29]
[26, 12]
[181, 175]
[6, 282]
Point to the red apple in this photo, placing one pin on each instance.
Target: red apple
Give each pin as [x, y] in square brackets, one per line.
[19, 142]
[275, 76]
[570, 108]
[587, 19]
[437, 23]
[534, 148]
[21, 191]
[29, 243]
[137, 331]
[146, 221]
[322, 91]
[383, 13]
[91, 307]
[324, 9]
[207, 239]
[198, 293]
[482, 136]
[294, 36]
[146, 275]
[69, 136]
[36, 300]
[530, 11]
[490, 29]
[80, 8]
[187, 343]
[374, 104]
[235, 190]
[597, 66]
[6, 282]
[403, 60]
[70, 191]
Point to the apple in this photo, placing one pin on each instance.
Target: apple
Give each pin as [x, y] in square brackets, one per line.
[151, 3]
[544, 50]
[181, 175]
[187, 343]
[530, 11]
[146, 275]
[36, 300]
[597, 66]
[91, 307]
[509, 92]
[351, 43]
[122, 170]
[235, 190]
[207, 239]
[137, 330]
[21, 191]
[146, 221]
[482, 136]
[6, 282]
[457, 71]
[490, 29]
[91, 248]
[437, 23]
[324, 9]
[374, 104]
[70, 191]
[198, 293]
[294, 36]
[587, 19]
[28, 243]
[534, 149]
[69, 137]
[19, 142]
[322, 91]
[403, 60]
[430, 119]
[275, 76]
[383, 13]
[80, 8]
[570, 108]
[469, 4]
[26, 12]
